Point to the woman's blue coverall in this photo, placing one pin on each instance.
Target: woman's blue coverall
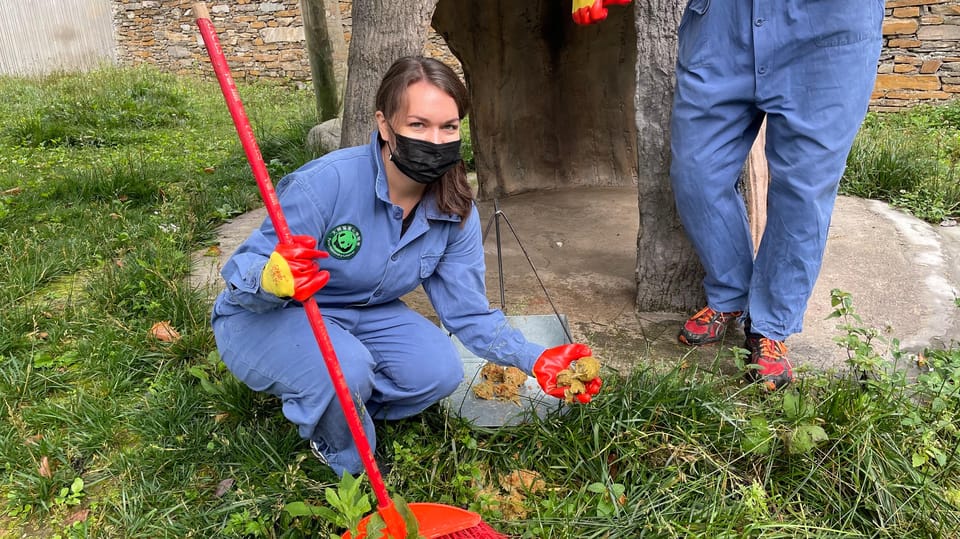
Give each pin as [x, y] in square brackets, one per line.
[808, 67]
[396, 362]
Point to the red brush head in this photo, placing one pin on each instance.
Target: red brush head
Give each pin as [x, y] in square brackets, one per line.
[480, 531]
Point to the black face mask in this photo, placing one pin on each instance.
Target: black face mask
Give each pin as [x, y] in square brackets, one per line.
[422, 161]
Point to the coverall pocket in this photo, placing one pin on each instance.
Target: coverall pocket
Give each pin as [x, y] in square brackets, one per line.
[860, 20]
[428, 264]
[698, 6]
[691, 49]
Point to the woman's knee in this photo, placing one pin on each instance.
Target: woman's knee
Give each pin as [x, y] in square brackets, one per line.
[449, 376]
[445, 358]
[437, 369]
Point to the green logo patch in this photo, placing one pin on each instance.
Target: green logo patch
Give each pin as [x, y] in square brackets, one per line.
[343, 241]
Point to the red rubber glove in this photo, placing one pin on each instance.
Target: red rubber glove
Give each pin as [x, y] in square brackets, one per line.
[292, 270]
[588, 11]
[553, 360]
[593, 11]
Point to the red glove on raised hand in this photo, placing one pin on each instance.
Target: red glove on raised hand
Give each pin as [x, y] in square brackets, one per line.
[592, 11]
[292, 270]
[556, 359]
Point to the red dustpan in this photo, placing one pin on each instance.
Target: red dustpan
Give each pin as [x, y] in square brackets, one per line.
[432, 520]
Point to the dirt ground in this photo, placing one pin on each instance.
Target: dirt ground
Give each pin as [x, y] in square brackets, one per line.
[581, 255]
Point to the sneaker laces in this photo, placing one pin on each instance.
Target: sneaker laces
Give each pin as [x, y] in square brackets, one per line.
[772, 349]
[705, 315]
[315, 449]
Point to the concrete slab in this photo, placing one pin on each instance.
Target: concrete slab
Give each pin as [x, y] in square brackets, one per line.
[903, 275]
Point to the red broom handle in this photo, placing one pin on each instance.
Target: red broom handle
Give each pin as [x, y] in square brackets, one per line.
[249, 141]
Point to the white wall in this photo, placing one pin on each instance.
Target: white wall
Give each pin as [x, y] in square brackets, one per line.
[42, 36]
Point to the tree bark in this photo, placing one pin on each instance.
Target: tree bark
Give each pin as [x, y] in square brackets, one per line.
[756, 179]
[669, 275]
[383, 30]
[327, 53]
[552, 101]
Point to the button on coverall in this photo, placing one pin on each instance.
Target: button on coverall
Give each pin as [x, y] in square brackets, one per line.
[395, 361]
[808, 67]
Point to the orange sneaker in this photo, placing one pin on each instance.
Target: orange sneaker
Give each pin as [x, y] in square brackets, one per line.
[706, 327]
[775, 371]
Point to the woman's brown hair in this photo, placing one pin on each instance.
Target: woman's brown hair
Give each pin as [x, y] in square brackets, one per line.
[452, 192]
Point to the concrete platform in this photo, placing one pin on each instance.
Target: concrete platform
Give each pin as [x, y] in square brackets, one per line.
[903, 275]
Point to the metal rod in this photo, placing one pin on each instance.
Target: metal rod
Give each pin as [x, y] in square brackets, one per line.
[495, 220]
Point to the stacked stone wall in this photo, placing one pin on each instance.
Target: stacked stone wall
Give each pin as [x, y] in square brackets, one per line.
[920, 62]
[259, 39]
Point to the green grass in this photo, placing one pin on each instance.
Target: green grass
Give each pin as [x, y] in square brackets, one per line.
[110, 180]
[910, 159]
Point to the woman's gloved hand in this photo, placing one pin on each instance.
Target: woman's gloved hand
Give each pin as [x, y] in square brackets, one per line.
[555, 360]
[292, 271]
[592, 11]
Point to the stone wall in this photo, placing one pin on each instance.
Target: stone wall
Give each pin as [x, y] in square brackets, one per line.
[261, 39]
[921, 55]
[264, 39]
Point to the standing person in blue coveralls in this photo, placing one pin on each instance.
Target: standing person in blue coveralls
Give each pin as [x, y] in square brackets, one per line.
[390, 215]
[808, 67]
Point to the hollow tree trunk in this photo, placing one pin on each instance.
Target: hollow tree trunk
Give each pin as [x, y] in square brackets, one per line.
[669, 275]
[383, 31]
[756, 179]
[327, 51]
[552, 108]
[552, 101]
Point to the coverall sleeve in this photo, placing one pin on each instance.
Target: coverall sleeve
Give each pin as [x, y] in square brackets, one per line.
[458, 293]
[243, 270]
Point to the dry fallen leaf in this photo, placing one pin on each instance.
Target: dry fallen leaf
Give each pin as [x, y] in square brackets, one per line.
[213, 250]
[12, 191]
[79, 516]
[44, 470]
[223, 487]
[164, 332]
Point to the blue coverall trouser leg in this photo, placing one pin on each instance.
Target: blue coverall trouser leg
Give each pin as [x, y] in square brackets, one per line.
[808, 67]
[396, 363]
